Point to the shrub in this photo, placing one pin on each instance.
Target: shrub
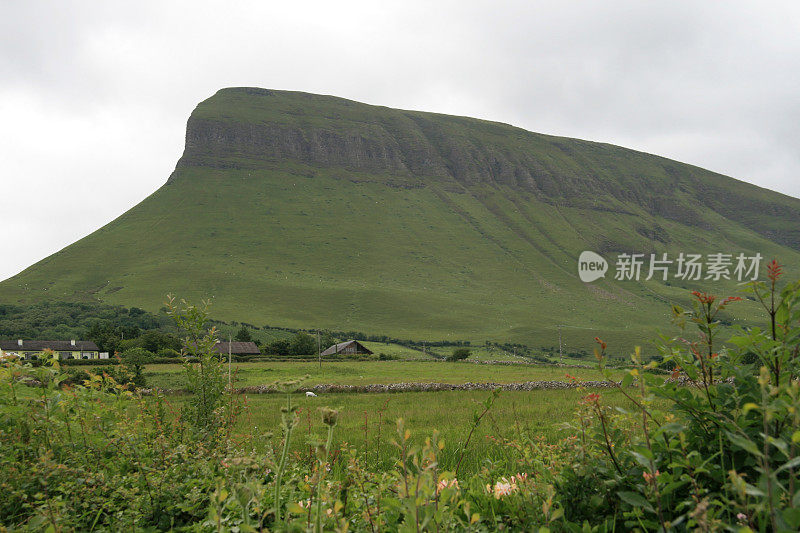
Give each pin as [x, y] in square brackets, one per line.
[168, 353]
[723, 451]
[459, 354]
[205, 378]
[138, 356]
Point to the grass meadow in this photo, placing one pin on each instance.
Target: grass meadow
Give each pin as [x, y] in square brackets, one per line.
[368, 421]
[171, 376]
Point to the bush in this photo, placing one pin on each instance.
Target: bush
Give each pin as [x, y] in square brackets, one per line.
[205, 379]
[168, 353]
[131, 369]
[723, 451]
[459, 354]
[137, 356]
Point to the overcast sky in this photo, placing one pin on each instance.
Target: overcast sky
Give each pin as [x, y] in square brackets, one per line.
[94, 96]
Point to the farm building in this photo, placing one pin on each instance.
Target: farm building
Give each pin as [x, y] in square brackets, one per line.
[237, 348]
[71, 349]
[349, 348]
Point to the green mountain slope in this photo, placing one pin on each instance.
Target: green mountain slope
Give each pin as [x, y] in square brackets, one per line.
[299, 210]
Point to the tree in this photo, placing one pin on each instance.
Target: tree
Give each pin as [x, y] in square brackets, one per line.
[279, 347]
[155, 340]
[243, 335]
[303, 344]
[326, 339]
[133, 361]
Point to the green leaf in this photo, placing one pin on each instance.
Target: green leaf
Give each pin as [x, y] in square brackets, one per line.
[635, 499]
[749, 407]
[294, 507]
[673, 427]
[754, 491]
[651, 379]
[789, 464]
[780, 444]
[792, 517]
[627, 380]
[744, 443]
[643, 454]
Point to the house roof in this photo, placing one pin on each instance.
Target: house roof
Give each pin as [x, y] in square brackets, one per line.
[56, 346]
[337, 348]
[237, 348]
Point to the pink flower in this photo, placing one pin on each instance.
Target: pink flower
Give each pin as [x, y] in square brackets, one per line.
[650, 478]
[502, 488]
[443, 484]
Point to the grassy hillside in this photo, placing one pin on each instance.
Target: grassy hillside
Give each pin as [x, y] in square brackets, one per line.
[299, 210]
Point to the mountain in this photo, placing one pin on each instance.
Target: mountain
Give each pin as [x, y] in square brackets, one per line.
[300, 210]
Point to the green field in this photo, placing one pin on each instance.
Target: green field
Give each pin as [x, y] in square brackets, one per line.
[367, 372]
[541, 413]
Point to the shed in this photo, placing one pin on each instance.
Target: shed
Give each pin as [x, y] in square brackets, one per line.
[237, 348]
[348, 347]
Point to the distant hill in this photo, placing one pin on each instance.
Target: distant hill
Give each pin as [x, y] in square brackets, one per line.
[301, 210]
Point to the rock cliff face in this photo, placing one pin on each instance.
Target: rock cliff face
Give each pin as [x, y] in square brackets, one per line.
[462, 153]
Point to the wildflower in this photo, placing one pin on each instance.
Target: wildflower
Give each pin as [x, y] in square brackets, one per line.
[650, 478]
[729, 299]
[704, 297]
[600, 341]
[742, 518]
[443, 484]
[329, 416]
[591, 399]
[774, 270]
[504, 487]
